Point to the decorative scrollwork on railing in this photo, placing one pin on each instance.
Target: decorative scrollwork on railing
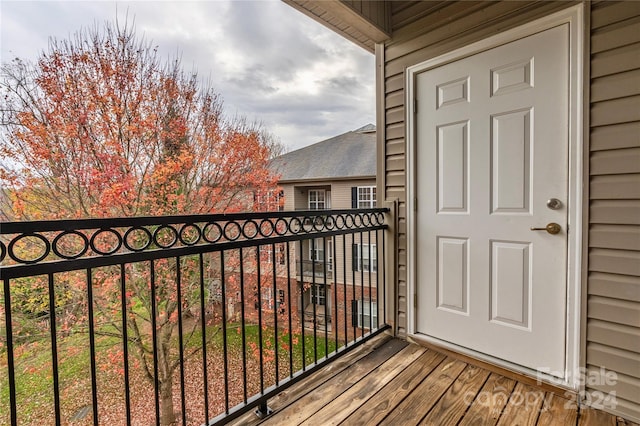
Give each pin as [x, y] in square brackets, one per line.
[33, 242]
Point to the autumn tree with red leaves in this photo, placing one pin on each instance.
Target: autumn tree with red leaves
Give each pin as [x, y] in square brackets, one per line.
[99, 126]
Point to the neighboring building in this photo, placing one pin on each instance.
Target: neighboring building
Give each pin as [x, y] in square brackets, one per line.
[337, 173]
[486, 112]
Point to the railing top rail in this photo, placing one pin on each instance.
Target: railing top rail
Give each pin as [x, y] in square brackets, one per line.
[119, 222]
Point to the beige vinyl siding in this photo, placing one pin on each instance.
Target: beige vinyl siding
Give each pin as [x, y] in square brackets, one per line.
[613, 284]
[424, 30]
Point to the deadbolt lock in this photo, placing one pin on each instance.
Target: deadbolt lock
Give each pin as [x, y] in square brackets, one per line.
[554, 204]
[552, 228]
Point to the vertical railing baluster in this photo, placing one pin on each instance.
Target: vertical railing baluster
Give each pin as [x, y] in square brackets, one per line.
[314, 298]
[224, 333]
[125, 343]
[288, 264]
[334, 268]
[243, 324]
[344, 285]
[362, 283]
[180, 340]
[154, 336]
[259, 304]
[203, 324]
[54, 349]
[10, 360]
[304, 354]
[354, 287]
[92, 347]
[275, 301]
[326, 297]
[384, 279]
[370, 272]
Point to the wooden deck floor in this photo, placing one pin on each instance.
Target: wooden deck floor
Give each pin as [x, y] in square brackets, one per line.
[390, 382]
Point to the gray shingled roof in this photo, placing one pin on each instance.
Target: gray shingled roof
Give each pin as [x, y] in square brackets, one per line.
[351, 154]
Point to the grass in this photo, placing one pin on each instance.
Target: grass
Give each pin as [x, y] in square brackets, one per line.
[34, 377]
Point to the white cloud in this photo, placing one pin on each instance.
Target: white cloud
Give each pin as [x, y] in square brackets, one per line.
[268, 61]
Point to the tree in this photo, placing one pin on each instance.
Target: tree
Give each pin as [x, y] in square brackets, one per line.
[99, 126]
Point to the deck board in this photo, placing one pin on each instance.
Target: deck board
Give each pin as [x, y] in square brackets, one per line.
[341, 407]
[490, 401]
[389, 382]
[388, 398]
[312, 402]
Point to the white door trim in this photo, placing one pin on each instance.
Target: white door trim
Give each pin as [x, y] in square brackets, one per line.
[574, 17]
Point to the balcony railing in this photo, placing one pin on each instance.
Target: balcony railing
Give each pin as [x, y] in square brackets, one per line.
[187, 319]
[317, 268]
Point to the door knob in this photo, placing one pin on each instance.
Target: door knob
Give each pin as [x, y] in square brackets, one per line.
[552, 228]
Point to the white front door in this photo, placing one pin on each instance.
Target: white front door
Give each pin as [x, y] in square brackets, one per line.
[492, 140]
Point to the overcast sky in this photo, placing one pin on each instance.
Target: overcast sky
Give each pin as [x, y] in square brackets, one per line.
[269, 62]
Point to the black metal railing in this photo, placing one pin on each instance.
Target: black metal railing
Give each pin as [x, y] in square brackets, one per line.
[179, 319]
[319, 268]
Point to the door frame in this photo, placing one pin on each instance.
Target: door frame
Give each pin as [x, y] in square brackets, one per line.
[573, 16]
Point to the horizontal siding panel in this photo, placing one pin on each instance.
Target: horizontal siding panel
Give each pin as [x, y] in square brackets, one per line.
[395, 132]
[615, 111]
[614, 61]
[394, 83]
[627, 410]
[621, 212]
[395, 115]
[615, 187]
[617, 161]
[436, 27]
[621, 237]
[615, 86]
[615, 261]
[395, 163]
[623, 287]
[608, 13]
[616, 311]
[617, 136]
[617, 35]
[483, 27]
[412, 11]
[615, 359]
[395, 146]
[399, 193]
[395, 99]
[616, 335]
[395, 179]
[625, 386]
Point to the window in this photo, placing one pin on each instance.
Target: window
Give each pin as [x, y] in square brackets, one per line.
[269, 201]
[316, 250]
[329, 255]
[267, 298]
[365, 257]
[363, 197]
[319, 294]
[267, 253]
[318, 199]
[367, 312]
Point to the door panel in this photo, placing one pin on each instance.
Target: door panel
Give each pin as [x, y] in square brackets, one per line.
[491, 148]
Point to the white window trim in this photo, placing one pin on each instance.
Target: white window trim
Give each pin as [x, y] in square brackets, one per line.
[318, 249]
[321, 291]
[371, 265]
[315, 205]
[369, 200]
[365, 314]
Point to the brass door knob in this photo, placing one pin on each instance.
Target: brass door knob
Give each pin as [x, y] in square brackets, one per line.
[552, 228]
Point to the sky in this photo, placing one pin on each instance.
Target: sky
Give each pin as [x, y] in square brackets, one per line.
[270, 63]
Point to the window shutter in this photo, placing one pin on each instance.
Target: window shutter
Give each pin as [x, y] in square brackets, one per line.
[354, 197]
[355, 261]
[354, 313]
